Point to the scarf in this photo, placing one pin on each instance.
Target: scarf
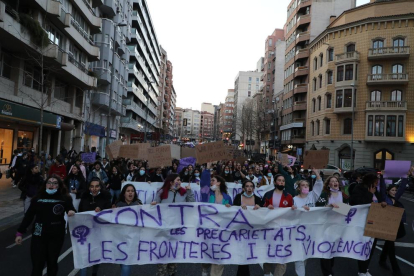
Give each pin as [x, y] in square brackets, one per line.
[164, 194]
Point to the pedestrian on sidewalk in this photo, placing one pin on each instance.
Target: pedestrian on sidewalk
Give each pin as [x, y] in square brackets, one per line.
[47, 210]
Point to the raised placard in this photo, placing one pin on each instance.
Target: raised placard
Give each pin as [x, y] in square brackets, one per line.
[210, 152]
[383, 222]
[135, 151]
[317, 159]
[159, 156]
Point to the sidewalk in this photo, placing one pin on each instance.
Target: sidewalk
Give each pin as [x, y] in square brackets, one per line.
[11, 206]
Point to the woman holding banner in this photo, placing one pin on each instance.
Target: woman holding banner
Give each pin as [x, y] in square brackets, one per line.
[172, 192]
[306, 199]
[331, 196]
[247, 198]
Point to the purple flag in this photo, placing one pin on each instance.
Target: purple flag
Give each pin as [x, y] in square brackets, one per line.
[184, 162]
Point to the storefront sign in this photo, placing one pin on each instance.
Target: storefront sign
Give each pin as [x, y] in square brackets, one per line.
[27, 114]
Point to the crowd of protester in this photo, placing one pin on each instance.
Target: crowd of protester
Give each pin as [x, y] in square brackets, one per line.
[78, 186]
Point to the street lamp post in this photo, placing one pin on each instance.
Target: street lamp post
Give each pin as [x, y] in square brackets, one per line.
[352, 128]
[146, 114]
[108, 121]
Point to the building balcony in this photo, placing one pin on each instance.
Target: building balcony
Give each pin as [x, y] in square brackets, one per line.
[104, 75]
[56, 54]
[79, 73]
[298, 139]
[389, 52]
[387, 79]
[297, 106]
[347, 57]
[301, 71]
[109, 7]
[300, 88]
[101, 99]
[51, 7]
[83, 40]
[304, 3]
[343, 109]
[386, 139]
[303, 36]
[303, 19]
[95, 23]
[386, 106]
[299, 120]
[128, 122]
[302, 53]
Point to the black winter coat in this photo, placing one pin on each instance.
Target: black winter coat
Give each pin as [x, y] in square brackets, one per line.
[89, 202]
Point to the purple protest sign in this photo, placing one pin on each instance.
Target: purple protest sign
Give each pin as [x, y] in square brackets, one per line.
[396, 168]
[292, 160]
[88, 157]
[184, 162]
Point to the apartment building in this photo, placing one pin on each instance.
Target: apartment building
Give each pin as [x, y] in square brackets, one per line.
[361, 78]
[46, 74]
[106, 101]
[191, 125]
[178, 122]
[143, 80]
[306, 19]
[246, 84]
[227, 116]
[270, 77]
[207, 122]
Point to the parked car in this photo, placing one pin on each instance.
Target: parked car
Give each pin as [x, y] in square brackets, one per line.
[332, 170]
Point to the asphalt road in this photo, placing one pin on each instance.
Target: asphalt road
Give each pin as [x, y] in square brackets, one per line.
[15, 260]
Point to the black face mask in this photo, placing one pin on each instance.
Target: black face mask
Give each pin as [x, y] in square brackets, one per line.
[280, 187]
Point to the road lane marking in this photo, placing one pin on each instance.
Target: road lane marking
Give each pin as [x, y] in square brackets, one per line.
[61, 257]
[409, 199]
[73, 273]
[399, 258]
[399, 244]
[14, 244]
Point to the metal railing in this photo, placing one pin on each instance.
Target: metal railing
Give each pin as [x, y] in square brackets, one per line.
[78, 64]
[76, 25]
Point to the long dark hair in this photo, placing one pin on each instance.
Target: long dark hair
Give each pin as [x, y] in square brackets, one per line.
[167, 182]
[119, 173]
[122, 194]
[62, 189]
[223, 187]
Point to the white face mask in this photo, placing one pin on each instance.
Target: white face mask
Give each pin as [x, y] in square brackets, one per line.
[51, 192]
[214, 188]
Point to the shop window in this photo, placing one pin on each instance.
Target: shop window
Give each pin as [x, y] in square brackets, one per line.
[24, 140]
[6, 147]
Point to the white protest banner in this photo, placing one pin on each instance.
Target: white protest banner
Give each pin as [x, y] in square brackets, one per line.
[212, 233]
[147, 192]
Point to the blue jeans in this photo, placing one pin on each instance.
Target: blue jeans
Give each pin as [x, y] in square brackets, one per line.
[115, 194]
[125, 270]
[84, 271]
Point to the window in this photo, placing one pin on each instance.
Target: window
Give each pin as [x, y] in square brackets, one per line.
[375, 96]
[249, 93]
[329, 100]
[377, 46]
[79, 98]
[319, 103]
[321, 60]
[340, 73]
[32, 76]
[400, 125]
[376, 71]
[61, 91]
[398, 42]
[391, 125]
[349, 72]
[329, 77]
[313, 128]
[5, 64]
[350, 48]
[331, 54]
[314, 84]
[317, 127]
[397, 70]
[370, 125]
[348, 98]
[320, 81]
[250, 79]
[379, 125]
[315, 63]
[270, 42]
[339, 99]
[396, 96]
[327, 126]
[348, 126]
[250, 86]
[313, 105]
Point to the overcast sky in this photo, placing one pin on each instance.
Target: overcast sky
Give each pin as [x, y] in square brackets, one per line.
[209, 42]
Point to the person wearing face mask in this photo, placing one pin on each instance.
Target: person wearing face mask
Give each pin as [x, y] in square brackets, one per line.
[244, 199]
[250, 176]
[157, 176]
[96, 198]
[267, 179]
[306, 199]
[391, 196]
[331, 196]
[196, 177]
[226, 174]
[172, 192]
[47, 209]
[141, 176]
[277, 198]
[290, 178]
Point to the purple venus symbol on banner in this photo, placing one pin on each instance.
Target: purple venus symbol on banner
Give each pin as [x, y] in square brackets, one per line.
[351, 213]
[81, 232]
